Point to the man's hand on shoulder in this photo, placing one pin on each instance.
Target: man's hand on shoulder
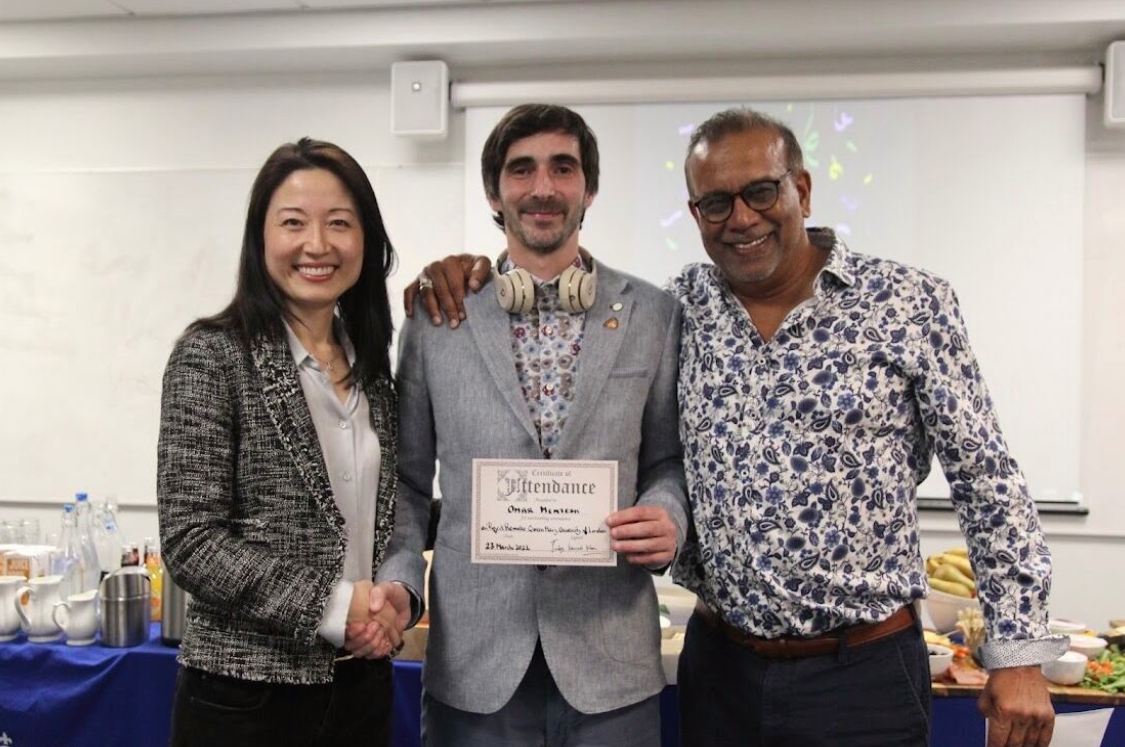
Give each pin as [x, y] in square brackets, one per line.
[1018, 707]
[446, 280]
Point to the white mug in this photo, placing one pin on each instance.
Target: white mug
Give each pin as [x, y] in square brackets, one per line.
[9, 618]
[42, 594]
[80, 619]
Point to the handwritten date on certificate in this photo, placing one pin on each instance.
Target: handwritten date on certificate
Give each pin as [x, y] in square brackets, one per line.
[540, 512]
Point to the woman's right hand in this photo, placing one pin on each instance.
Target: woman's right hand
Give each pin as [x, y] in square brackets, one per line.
[374, 627]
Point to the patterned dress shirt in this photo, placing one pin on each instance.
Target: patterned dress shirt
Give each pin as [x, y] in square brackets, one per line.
[803, 456]
[546, 342]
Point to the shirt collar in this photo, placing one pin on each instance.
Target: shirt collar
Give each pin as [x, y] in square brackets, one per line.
[840, 262]
[302, 357]
[580, 262]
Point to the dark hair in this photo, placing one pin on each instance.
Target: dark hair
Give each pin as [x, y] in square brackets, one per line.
[738, 120]
[531, 119]
[258, 307]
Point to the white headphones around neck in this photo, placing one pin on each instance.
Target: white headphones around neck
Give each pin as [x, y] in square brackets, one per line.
[515, 289]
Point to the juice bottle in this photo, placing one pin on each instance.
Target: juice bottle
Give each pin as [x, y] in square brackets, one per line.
[152, 563]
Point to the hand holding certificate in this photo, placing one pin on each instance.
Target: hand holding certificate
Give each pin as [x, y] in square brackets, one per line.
[543, 512]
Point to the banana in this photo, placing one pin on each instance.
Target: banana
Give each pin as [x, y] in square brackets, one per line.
[951, 587]
[947, 572]
[960, 563]
[961, 551]
[932, 564]
[937, 638]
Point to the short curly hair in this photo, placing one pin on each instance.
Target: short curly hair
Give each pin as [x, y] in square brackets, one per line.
[526, 120]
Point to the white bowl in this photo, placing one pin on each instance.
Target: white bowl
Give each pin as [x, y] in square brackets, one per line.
[1068, 669]
[1089, 645]
[943, 609]
[1058, 626]
[940, 659]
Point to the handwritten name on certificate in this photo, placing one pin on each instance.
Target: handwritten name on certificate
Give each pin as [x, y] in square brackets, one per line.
[543, 512]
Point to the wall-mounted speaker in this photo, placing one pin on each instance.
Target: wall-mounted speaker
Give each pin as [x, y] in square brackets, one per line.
[1115, 85]
[420, 99]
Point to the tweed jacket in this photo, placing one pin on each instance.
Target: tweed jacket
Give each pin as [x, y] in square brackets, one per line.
[248, 523]
[460, 399]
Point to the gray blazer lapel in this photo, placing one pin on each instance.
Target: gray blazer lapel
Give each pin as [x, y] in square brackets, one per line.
[600, 345]
[285, 402]
[492, 331]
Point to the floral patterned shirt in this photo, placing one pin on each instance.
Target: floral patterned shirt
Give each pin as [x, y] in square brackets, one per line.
[803, 455]
[546, 342]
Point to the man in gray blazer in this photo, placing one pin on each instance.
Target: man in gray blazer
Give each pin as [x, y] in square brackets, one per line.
[526, 654]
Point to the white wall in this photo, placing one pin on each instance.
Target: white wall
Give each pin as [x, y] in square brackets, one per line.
[191, 125]
[178, 132]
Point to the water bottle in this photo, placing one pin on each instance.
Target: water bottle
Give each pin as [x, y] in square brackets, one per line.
[67, 562]
[91, 569]
[107, 538]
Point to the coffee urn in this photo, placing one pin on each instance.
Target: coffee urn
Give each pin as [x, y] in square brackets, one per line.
[173, 611]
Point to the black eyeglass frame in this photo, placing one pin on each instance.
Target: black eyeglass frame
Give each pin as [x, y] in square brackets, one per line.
[742, 195]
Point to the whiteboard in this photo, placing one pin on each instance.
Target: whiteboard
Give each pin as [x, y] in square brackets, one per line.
[987, 192]
[99, 274]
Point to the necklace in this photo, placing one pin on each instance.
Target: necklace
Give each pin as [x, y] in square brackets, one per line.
[327, 364]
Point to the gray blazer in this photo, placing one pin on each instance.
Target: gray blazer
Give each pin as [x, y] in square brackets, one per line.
[248, 523]
[460, 399]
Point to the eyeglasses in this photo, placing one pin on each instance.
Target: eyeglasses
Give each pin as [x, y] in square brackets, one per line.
[760, 195]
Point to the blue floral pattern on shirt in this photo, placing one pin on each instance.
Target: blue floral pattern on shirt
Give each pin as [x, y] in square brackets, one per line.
[803, 454]
[546, 342]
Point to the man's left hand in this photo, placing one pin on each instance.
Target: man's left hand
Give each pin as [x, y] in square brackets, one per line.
[645, 535]
[1018, 707]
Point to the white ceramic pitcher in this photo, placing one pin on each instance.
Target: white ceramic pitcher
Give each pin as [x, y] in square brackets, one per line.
[42, 595]
[79, 618]
[9, 618]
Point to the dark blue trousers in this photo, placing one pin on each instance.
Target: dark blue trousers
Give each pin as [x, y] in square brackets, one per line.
[873, 695]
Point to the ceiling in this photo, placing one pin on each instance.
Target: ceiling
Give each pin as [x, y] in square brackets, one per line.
[54, 10]
[74, 39]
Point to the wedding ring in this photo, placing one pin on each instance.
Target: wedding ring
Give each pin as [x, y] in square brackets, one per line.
[424, 282]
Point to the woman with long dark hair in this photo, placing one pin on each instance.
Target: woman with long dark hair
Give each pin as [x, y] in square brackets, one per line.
[276, 472]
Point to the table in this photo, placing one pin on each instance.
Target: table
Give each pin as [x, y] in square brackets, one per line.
[956, 720]
[53, 694]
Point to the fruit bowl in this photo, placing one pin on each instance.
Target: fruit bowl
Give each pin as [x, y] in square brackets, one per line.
[943, 609]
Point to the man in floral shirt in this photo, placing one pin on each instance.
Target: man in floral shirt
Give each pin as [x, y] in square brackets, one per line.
[815, 387]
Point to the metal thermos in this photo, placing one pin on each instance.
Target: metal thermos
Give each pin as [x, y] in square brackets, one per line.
[173, 611]
[126, 610]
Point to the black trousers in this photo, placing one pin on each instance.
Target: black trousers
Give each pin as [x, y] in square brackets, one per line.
[876, 695]
[211, 710]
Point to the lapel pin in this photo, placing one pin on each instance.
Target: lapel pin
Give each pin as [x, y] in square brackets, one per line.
[611, 323]
[617, 306]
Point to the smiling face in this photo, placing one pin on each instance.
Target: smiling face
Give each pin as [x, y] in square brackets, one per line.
[542, 194]
[754, 250]
[313, 240]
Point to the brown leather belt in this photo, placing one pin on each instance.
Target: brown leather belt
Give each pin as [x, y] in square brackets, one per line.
[799, 648]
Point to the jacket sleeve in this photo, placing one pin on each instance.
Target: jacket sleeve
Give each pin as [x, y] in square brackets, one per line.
[196, 489]
[416, 457]
[660, 467]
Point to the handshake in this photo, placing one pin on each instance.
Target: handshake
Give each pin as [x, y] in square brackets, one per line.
[377, 616]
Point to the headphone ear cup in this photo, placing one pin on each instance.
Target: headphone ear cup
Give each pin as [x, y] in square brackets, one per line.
[515, 290]
[577, 290]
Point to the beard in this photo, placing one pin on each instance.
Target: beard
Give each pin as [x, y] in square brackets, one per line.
[542, 241]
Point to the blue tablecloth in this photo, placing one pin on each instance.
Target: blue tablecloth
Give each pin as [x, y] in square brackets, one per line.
[53, 694]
